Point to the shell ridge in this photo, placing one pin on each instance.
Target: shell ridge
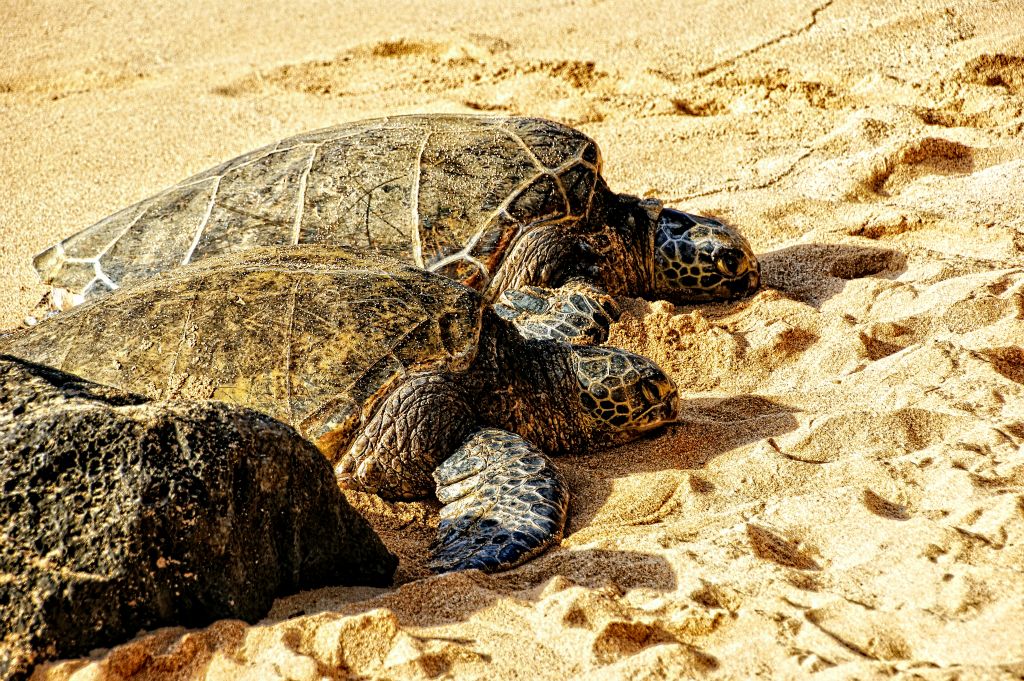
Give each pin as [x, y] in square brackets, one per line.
[590, 197]
[362, 194]
[525, 184]
[95, 260]
[574, 160]
[463, 255]
[102, 276]
[414, 203]
[593, 167]
[556, 175]
[529, 152]
[103, 252]
[503, 207]
[202, 223]
[300, 203]
[127, 229]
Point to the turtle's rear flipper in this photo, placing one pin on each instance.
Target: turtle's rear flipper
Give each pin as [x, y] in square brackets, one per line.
[503, 503]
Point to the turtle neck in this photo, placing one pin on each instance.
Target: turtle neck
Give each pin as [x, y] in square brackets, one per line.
[527, 387]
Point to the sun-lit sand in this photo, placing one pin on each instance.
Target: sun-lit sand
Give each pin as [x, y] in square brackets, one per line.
[844, 496]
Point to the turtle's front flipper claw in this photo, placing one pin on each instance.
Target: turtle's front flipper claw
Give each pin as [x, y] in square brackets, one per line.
[503, 503]
[575, 313]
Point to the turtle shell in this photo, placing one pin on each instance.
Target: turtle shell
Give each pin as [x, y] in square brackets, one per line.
[450, 193]
[313, 336]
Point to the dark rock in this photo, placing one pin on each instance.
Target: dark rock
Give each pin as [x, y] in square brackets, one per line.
[119, 514]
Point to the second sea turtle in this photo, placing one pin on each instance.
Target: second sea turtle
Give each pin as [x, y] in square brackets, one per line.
[404, 379]
[497, 203]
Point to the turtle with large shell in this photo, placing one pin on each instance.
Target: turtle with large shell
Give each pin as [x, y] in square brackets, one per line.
[497, 203]
[404, 379]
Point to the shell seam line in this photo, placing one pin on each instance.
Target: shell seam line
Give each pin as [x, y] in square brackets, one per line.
[414, 203]
[301, 202]
[202, 223]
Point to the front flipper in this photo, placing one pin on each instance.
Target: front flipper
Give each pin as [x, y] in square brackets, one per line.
[503, 504]
[576, 313]
[411, 433]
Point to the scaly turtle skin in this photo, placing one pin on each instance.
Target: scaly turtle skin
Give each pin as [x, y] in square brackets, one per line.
[390, 369]
[497, 203]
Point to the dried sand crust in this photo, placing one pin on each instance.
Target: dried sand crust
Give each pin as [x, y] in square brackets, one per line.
[845, 495]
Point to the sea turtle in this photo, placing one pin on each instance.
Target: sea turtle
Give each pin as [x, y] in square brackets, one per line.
[388, 368]
[497, 203]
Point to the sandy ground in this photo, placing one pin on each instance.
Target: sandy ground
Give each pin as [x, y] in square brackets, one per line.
[844, 497]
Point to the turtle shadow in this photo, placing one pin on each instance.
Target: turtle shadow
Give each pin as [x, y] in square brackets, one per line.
[813, 273]
[707, 427]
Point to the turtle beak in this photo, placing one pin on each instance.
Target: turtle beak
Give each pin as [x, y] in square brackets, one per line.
[746, 285]
[661, 414]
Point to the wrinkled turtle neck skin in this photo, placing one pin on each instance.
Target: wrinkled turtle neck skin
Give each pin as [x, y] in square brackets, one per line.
[527, 387]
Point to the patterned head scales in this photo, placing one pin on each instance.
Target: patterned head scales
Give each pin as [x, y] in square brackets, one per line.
[623, 394]
[698, 258]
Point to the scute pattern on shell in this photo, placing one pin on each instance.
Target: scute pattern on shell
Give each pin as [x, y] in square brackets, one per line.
[447, 192]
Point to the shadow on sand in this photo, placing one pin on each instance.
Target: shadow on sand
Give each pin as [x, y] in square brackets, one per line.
[813, 273]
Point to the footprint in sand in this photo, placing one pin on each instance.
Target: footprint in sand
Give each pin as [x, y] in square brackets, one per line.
[614, 631]
[886, 170]
[884, 508]
[744, 93]
[383, 66]
[866, 632]
[881, 339]
[812, 273]
[994, 70]
[895, 168]
[478, 73]
[618, 639]
[1007, 361]
[986, 92]
[870, 434]
[772, 546]
[72, 82]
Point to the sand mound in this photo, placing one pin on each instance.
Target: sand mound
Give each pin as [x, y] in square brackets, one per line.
[844, 495]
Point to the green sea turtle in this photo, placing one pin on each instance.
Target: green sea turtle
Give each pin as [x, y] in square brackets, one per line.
[497, 203]
[388, 368]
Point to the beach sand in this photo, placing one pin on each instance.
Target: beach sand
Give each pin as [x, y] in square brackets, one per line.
[844, 495]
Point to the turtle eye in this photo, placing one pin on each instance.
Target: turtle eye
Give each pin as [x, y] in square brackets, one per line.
[728, 263]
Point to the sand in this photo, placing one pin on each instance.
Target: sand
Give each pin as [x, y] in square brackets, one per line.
[844, 495]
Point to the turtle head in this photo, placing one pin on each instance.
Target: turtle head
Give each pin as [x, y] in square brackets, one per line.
[697, 258]
[622, 394]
